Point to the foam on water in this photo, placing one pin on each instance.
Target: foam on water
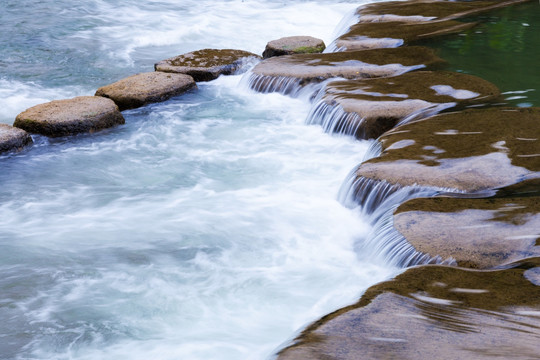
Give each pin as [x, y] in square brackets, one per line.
[207, 227]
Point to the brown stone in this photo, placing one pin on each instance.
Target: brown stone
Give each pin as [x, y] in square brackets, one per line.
[477, 233]
[69, 117]
[145, 88]
[427, 10]
[468, 151]
[13, 139]
[272, 74]
[380, 103]
[433, 312]
[293, 45]
[373, 35]
[207, 64]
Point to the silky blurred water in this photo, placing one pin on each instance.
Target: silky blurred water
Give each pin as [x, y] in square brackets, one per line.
[207, 227]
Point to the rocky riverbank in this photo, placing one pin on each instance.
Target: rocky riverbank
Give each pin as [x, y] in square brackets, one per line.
[451, 186]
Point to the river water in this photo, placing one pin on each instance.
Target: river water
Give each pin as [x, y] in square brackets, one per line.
[207, 227]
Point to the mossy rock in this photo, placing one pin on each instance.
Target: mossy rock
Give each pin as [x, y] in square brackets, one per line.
[13, 139]
[207, 64]
[83, 114]
[309, 68]
[433, 312]
[374, 35]
[427, 10]
[469, 151]
[146, 88]
[293, 45]
[380, 103]
[477, 233]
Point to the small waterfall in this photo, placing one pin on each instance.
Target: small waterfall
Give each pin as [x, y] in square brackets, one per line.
[291, 86]
[334, 119]
[343, 26]
[385, 241]
[425, 113]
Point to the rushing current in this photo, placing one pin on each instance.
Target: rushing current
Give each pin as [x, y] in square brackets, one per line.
[206, 227]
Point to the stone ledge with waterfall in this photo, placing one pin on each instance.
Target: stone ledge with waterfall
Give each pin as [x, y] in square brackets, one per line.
[445, 190]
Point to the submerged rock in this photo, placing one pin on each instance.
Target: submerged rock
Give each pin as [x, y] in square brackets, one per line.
[293, 45]
[69, 117]
[13, 139]
[433, 312]
[368, 108]
[207, 64]
[145, 88]
[375, 35]
[469, 151]
[427, 10]
[286, 73]
[477, 233]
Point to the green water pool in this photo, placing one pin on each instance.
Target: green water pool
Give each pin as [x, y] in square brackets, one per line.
[504, 49]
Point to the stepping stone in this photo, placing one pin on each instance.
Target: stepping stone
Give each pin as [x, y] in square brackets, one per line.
[376, 35]
[208, 64]
[427, 10]
[472, 151]
[293, 45]
[433, 312]
[287, 73]
[397, 23]
[141, 89]
[477, 233]
[84, 114]
[13, 139]
[368, 108]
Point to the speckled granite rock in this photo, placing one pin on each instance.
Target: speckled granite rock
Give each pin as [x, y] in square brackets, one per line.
[293, 45]
[84, 114]
[13, 139]
[145, 88]
[207, 64]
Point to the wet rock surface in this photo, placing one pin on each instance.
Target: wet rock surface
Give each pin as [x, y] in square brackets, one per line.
[379, 104]
[13, 139]
[468, 151]
[427, 10]
[373, 35]
[293, 45]
[84, 114]
[395, 23]
[207, 64]
[145, 88]
[477, 233]
[433, 312]
[270, 74]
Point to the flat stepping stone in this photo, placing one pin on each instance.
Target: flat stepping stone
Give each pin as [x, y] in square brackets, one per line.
[476, 233]
[427, 10]
[368, 108]
[84, 114]
[376, 35]
[13, 139]
[141, 89]
[287, 73]
[433, 312]
[207, 64]
[397, 23]
[293, 45]
[471, 151]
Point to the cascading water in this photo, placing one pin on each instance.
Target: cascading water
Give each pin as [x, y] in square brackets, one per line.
[207, 227]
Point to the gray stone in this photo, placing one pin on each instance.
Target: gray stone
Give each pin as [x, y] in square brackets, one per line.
[293, 45]
[84, 114]
[145, 88]
[207, 64]
[13, 139]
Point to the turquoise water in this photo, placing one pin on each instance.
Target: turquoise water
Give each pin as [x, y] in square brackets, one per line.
[504, 49]
[206, 227]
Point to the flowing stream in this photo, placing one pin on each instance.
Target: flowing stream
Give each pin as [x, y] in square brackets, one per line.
[207, 227]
